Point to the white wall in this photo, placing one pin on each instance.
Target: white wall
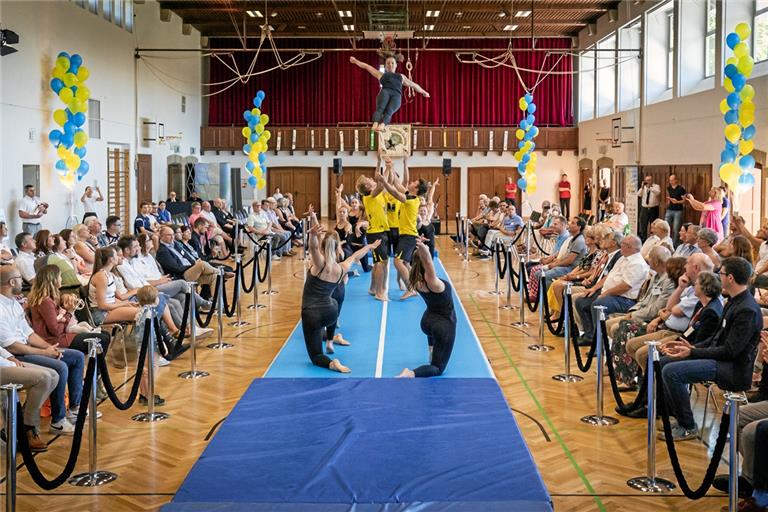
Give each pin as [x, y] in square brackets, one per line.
[549, 169]
[26, 101]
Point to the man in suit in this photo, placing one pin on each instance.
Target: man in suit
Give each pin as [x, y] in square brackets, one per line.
[179, 266]
[199, 241]
[726, 358]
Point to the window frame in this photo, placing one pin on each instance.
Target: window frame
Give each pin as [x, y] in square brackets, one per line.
[759, 13]
[710, 39]
[589, 53]
[671, 49]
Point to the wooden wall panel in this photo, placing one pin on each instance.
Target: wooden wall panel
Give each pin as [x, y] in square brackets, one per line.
[302, 182]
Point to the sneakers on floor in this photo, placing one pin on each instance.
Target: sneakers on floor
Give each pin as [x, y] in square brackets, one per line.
[63, 427]
[161, 361]
[680, 433]
[158, 400]
[72, 415]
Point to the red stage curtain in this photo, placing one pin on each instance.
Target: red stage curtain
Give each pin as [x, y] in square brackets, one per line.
[331, 90]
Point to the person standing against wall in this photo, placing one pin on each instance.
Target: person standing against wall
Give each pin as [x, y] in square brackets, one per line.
[89, 201]
[564, 188]
[586, 200]
[675, 203]
[650, 196]
[31, 210]
[510, 190]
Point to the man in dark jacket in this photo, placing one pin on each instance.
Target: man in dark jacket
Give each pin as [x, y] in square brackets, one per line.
[179, 266]
[727, 357]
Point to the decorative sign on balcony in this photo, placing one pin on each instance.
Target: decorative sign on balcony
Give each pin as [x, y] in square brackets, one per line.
[395, 140]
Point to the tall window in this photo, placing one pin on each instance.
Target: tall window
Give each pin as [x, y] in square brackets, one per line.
[128, 15]
[119, 13]
[94, 119]
[709, 41]
[629, 66]
[670, 48]
[761, 30]
[106, 10]
[587, 85]
[606, 76]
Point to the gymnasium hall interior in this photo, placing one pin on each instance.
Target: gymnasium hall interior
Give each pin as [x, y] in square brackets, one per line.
[294, 256]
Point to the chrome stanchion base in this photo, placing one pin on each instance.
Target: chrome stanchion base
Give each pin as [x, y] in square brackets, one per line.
[520, 324]
[599, 421]
[238, 324]
[147, 417]
[541, 348]
[94, 479]
[220, 346]
[494, 292]
[269, 292]
[652, 485]
[567, 377]
[508, 307]
[193, 374]
[257, 306]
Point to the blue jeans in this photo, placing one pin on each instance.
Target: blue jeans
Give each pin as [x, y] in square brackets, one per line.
[612, 304]
[556, 272]
[70, 370]
[675, 220]
[677, 375]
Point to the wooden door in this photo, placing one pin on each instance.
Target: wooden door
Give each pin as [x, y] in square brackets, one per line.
[144, 179]
[697, 180]
[489, 181]
[660, 176]
[348, 179]
[448, 191]
[302, 182]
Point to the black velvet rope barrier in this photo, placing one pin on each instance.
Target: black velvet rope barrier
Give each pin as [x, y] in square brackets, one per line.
[74, 451]
[583, 367]
[558, 327]
[501, 269]
[176, 349]
[105, 378]
[717, 453]
[229, 310]
[536, 241]
[532, 306]
[214, 301]
[641, 394]
[515, 275]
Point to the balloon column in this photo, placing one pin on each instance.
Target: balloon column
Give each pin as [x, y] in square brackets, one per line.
[256, 139]
[525, 156]
[736, 162]
[68, 82]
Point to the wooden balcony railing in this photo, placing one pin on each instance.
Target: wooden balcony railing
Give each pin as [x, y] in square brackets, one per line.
[343, 139]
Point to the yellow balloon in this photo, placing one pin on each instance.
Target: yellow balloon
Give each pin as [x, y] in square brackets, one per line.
[724, 107]
[740, 50]
[256, 112]
[75, 106]
[62, 63]
[81, 138]
[527, 146]
[747, 106]
[732, 60]
[83, 93]
[73, 162]
[257, 172]
[70, 79]
[746, 117]
[519, 134]
[522, 104]
[259, 128]
[260, 184]
[728, 85]
[264, 119]
[746, 65]
[83, 73]
[58, 73]
[743, 31]
[66, 95]
[266, 135]
[60, 117]
[62, 152]
[732, 133]
[246, 132]
[747, 93]
[746, 146]
[530, 189]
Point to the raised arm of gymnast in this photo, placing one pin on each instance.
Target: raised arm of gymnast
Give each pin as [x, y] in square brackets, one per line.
[431, 200]
[314, 233]
[378, 74]
[340, 202]
[430, 276]
[389, 187]
[346, 265]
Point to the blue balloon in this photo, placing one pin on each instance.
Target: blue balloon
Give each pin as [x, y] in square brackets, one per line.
[738, 82]
[525, 158]
[732, 40]
[70, 115]
[528, 135]
[535, 131]
[533, 146]
[250, 166]
[521, 167]
[76, 60]
[522, 183]
[529, 98]
[523, 124]
[70, 128]
[252, 181]
[63, 54]
[247, 115]
[732, 117]
[731, 70]
[531, 119]
[81, 152]
[748, 132]
[531, 108]
[78, 119]
[520, 145]
[727, 156]
[733, 100]
[83, 167]
[74, 89]
[747, 162]
[263, 169]
[261, 94]
[254, 138]
[57, 84]
[55, 137]
[262, 157]
[747, 180]
[61, 165]
[67, 140]
[246, 148]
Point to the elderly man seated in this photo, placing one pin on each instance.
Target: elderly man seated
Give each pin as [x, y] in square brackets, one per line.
[619, 220]
[689, 235]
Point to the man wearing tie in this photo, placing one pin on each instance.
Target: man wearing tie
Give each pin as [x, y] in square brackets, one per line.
[650, 196]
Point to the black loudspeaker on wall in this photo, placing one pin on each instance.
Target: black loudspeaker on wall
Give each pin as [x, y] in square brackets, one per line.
[446, 166]
[235, 190]
[338, 170]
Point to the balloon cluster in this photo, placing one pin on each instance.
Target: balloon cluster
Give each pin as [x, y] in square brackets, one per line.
[68, 82]
[256, 139]
[525, 134]
[738, 109]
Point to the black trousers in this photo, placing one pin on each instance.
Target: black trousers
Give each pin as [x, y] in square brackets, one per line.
[647, 216]
[565, 207]
[441, 333]
[760, 468]
[338, 296]
[314, 324]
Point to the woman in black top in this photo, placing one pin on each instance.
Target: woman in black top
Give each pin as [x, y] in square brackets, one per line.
[603, 199]
[587, 199]
[319, 310]
[390, 95]
[355, 213]
[439, 320]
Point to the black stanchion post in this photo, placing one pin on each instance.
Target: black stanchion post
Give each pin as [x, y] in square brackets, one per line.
[540, 346]
[567, 376]
[193, 372]
[650, 482]
[12, 399]
[466, 239]
[255, 292]
[94, 477]
[523, 291]
[497, 246]
[733, 402]
[269, 290]
[150, 416]
[236, 294]
[303, 239]
[220, 344]
[529, 232]
[599, 419]
[508, 304]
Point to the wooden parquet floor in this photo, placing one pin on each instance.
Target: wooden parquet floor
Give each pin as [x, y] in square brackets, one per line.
[584, 467]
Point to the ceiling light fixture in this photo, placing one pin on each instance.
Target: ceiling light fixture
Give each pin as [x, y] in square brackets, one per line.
[465, 27]
[349, 28]
[522, 14]
[510, 27]
[301, 27]
[433, 14]
[274, 13]
[502, 14]
[429, 27]
[345, 14]
[255, 14]
[459, 14]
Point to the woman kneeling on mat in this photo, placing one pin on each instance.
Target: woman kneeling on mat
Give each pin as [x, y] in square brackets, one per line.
[319, 310]
[439, 320]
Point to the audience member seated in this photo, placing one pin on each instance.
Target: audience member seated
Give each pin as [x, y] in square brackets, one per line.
[659, 237]
[578, 274]
[106, 308]
[619, 291]
[56, 256]
[174, 263]
[6, 256]
[112, 234]
[480, 227]
[163, 216]
[258, 223]
[268, 206]
[727, 357]
[145, 223]
[94, 230]
[706, 241]
[18, 338]
[25, 257]
[213, 224]
[560, 253]
[689, 235]
[212, 235]
[84, 246]
[547, 229]
[70, 239]
[506, 227]
[575, 251]
[194, 197]
[618, 220]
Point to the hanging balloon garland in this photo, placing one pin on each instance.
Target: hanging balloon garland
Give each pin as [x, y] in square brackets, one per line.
[738, 109]
[68, 82]
[256, 139]
[526, 132]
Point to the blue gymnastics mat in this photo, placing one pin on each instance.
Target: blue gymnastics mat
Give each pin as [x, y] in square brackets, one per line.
[366, 445]
[385, 338]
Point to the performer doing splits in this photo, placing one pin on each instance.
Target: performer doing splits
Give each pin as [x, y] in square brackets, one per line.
[390, 96]
[318, 309]
[439, 320]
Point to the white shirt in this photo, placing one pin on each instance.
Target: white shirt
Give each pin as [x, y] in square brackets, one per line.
[146, 267]
[14, 327]
[5, 358]
[132, 278]
[652, 242]
[89, 204]
[649, 196]
[632, 270]
[259, 221]
[210, 217]
[25, 262]
[618, 221]
[762, 256]
[29, 205]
